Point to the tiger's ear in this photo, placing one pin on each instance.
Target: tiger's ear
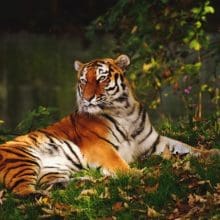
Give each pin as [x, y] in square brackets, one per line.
[78, 65]
[122, 61]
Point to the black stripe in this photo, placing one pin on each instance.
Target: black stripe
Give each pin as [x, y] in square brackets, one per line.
[12, 152]
[106, 140]
[139, 114]
[51, 173]
[46, 133]
[17, 173]
[115, 136]
[99, 63]
[50, 136]
[141, 125]
[116, 91]
[34, 173]
[132, 111]
[116, 126]
[75, 154]
[19, 160]
[54, 146]
[148, 134]
[116, 84]
[64, 131]
[33, 139]
[110, 88]
[127, 104]
[25, 151]
[77, 165]
[122, 82]
[74, 123]
[18, 182]
[122, 98]
[28, 176]
[78, 90]
[1, 157]
[154, 145]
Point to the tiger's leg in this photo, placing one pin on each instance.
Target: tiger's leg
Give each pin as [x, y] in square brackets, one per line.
[18, 169]
[105, 156]
[21, 179]
[53, 177]
[178, 147]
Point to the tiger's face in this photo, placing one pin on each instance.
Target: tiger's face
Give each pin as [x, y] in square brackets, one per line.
[101, 84]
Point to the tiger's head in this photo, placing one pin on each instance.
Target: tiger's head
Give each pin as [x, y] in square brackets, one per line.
[102, 86]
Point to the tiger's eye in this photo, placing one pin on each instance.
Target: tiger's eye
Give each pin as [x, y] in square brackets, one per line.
[82, 81]
[102, 78]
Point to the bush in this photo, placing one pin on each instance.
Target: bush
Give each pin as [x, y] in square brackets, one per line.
[169, 47]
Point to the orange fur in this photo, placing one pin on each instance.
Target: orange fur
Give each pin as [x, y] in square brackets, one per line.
[84, 129]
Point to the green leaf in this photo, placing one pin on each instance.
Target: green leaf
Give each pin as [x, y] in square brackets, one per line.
[194, 44]
[198, 24]
[204, 87]
[196, 10]
[198, 65]
[209, 10]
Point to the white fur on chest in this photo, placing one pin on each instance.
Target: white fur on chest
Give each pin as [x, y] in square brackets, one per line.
[132, 147]
[126, 147]
[127, 151]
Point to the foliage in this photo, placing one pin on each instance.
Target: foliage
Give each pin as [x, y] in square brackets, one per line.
[168, 46]
[205, 133]
[38, 118]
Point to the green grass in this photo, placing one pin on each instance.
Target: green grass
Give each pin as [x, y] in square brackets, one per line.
[177, 188]
[126, 196]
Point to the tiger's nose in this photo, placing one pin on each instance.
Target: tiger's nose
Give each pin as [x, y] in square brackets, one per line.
[89, 98]
[90, 101]
[86, 103]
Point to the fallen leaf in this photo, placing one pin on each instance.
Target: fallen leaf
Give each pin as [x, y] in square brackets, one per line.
[186, 166]
[193, 199]
[117, 206]
[151, 189]
[105, 194]
[152, 213]
[43, 201]
[134, 29]
[218, 187]
[166, 153]
[124, 194]
[88, 192]
[2, 198]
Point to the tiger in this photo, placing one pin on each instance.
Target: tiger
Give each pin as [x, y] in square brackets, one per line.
[109, 130]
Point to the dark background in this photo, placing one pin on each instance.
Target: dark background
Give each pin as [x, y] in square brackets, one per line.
[39, 39]
[53, 16]
[59, 16]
